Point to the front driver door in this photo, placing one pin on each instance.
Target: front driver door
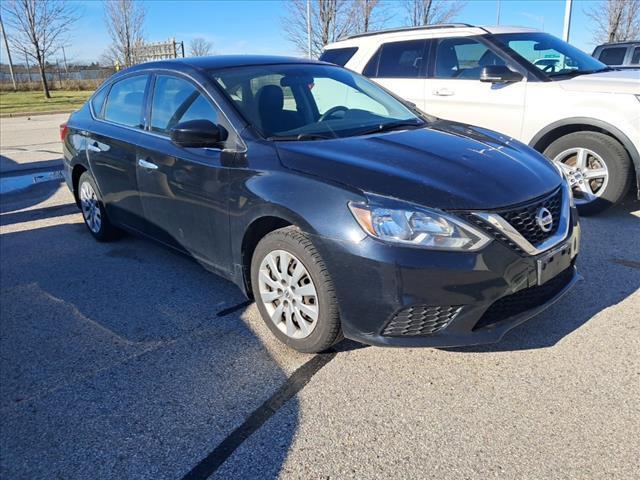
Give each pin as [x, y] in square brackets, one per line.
[454, 90]
[184, 191]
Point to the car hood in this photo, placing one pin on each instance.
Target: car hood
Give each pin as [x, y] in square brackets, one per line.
[445, 165]
[616, 81]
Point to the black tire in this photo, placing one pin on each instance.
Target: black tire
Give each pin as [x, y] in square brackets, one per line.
[615, 157]
[327, 330]
[106, 231]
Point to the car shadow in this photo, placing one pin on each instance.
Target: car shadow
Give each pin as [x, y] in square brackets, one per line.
[115, 362]
[609, 263]
[23, 188]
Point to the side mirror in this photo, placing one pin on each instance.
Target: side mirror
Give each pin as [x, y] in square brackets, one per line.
[198, 134]
[499, 74]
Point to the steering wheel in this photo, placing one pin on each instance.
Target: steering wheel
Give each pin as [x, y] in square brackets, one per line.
[332, 111]
[551, 68]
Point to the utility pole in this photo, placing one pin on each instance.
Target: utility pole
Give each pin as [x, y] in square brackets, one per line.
[498, 14]
[26, 62]
[309, 28]
[64, 58]
[6, 44]
[567, 20]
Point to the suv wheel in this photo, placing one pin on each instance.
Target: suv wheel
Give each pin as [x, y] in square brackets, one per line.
[597, 166]
[93, 211]
[294, 292]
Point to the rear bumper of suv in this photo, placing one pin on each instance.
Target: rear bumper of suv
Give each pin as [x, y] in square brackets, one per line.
[412, 297]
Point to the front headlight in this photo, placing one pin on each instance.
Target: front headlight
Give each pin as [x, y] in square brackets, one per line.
[420, 227]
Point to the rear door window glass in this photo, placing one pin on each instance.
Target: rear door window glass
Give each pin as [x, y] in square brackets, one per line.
[613, 55]
[178, 100]
[338, 56]
[125, 102]
[398, 60]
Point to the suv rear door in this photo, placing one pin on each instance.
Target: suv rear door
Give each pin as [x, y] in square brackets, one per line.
[454, 90]
[401, 67]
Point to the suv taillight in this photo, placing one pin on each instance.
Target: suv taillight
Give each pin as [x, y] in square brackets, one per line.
[63, 131]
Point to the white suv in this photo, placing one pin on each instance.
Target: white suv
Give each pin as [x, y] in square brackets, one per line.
[524, 83]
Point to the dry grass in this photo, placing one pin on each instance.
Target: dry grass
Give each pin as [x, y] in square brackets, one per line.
[34, 101]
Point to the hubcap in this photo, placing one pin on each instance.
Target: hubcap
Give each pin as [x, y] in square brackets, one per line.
[288, 294]
[90, 207]
[586, 172]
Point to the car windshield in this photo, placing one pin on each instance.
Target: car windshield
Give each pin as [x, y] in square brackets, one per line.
[309, 101]
[556, 58]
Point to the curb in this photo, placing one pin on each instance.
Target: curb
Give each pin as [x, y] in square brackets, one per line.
[35, 114]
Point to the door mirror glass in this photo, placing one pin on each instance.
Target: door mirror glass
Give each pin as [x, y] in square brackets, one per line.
[499, 74]
[198, 134]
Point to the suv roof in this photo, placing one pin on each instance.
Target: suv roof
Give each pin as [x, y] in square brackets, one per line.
[416, 31]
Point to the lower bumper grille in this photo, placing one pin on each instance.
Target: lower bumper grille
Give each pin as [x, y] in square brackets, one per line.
[420, 320]
[524, 300]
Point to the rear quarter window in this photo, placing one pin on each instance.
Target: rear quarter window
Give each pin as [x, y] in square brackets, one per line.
[613, 55]
[338, 56]
[635, 59]
[97, 101]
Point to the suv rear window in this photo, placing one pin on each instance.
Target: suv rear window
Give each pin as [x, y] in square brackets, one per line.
[613, 55]
[398, 60]
[338, 56]
[635, 59]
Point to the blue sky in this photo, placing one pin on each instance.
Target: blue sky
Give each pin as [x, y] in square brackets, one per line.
[255, 26]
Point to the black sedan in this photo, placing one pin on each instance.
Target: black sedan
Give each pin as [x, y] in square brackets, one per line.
[340, 209]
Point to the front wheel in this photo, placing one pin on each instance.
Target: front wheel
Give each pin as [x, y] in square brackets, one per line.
[294, 292]
[597, 166]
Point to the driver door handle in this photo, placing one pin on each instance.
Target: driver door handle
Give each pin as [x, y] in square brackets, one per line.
[148, 165]
[443, 92]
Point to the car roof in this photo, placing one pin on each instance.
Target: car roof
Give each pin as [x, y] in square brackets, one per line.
[626, 42]
[222, 61]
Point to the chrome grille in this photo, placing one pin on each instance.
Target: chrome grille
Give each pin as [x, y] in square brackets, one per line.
[523, 218]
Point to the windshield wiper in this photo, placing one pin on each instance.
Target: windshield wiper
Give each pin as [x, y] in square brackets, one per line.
[387, 127]
[301, 136]
[576, 73]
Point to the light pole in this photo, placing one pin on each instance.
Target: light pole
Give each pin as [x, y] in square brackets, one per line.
[309, 28]
[6, 44]
[498, 14]
[567, 20]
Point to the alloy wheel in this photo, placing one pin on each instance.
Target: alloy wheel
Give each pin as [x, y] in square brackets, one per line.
[586, 172]
[90, 207]
[288, 294]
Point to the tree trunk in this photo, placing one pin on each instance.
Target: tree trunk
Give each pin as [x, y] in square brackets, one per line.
[45, 85]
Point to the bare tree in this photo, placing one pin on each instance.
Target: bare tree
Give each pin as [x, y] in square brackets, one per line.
[125, 22]
[615, 20]
[428, 12]
[369, 15]
[330, 20]
[37, 28]
[200, 47]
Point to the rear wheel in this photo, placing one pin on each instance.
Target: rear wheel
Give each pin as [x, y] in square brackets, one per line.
[294, 292]
[93, 211]
[597, 166]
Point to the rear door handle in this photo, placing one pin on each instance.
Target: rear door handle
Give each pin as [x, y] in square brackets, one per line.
[93, 147]
[148, 165]
[444, 92]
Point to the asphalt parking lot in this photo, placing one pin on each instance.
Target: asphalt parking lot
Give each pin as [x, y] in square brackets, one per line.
[126, 360]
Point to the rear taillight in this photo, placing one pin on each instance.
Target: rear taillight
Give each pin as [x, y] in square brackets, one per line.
[63, 131]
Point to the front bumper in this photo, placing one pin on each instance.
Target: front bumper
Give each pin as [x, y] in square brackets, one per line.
[411, 297]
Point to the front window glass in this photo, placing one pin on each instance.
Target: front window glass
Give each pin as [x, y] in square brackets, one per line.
[302, 101]
[463, 58]
[177, 100]
[556, 58]
[613, 55]
[126, 101]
